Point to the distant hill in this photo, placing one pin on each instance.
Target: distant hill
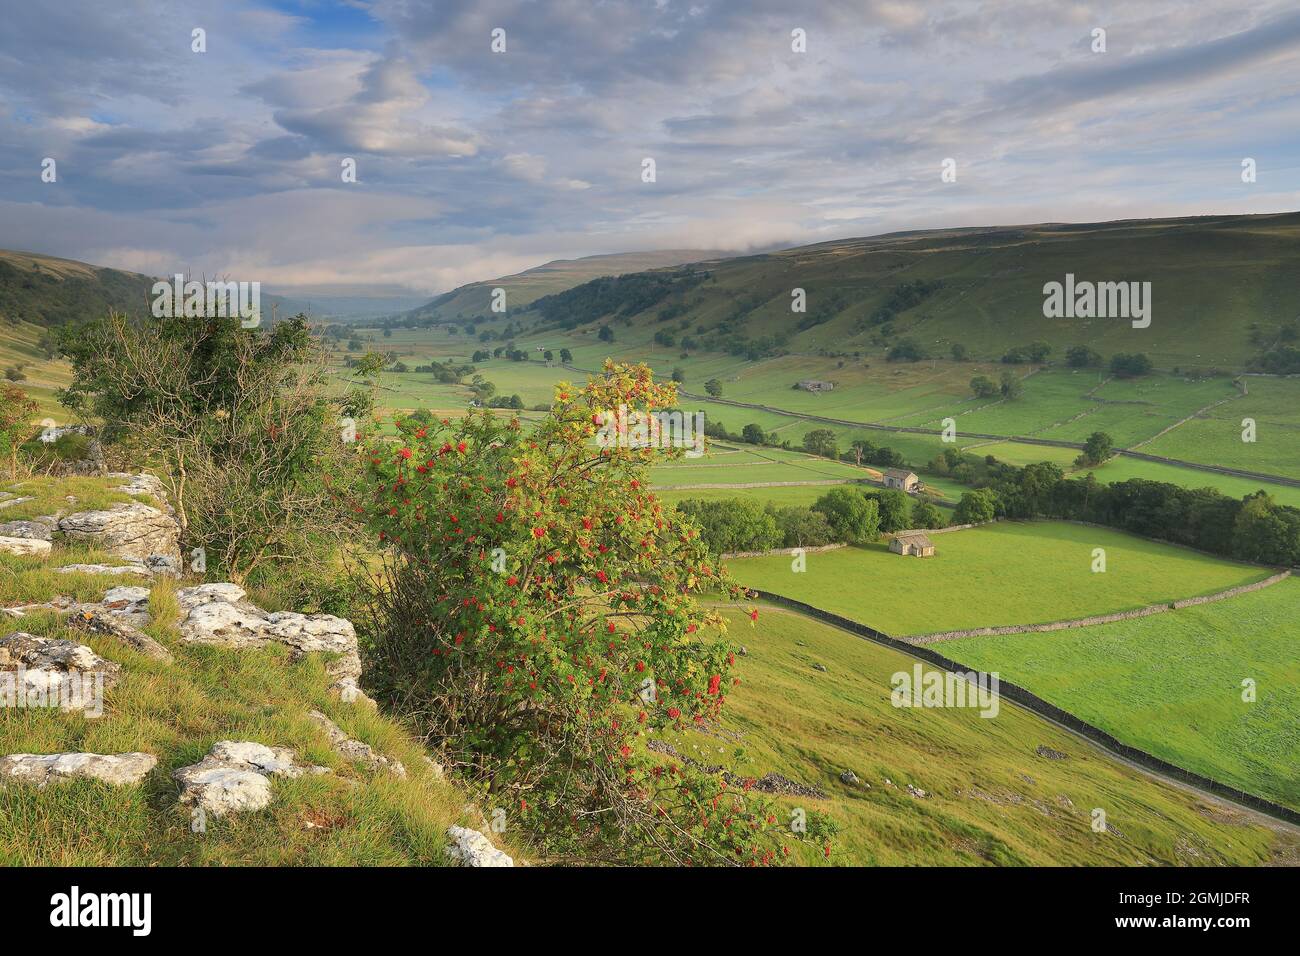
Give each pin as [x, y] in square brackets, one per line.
[1220, 286]
[474, 300]
[47, 291]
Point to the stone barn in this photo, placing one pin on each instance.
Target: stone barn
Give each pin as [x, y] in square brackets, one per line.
[902, 479]
[914, 543]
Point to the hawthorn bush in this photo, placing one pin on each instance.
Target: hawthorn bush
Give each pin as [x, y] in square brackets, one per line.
[535, 615]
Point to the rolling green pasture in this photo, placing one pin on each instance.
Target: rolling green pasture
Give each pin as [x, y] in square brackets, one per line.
[1004, 573]
[1274, 404]
[1171, 684]
[991, 800]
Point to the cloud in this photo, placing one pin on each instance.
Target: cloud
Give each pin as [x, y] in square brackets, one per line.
[473, 163]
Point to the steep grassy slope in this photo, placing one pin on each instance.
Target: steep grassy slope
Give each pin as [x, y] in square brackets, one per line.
[176, 711]
[47, 291]
[991, 798]
[1172, 684]
[1212, 278]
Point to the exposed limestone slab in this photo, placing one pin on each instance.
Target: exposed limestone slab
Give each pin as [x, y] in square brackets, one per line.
[141, 484]
[218, 614]
[24, 547]
[471, 848]
[37, 530]
[54, 672]
[99, 620]
[136, 569]
[356, 750]
[43, 769]
[10, 501]
[235, 776]
[132, 530]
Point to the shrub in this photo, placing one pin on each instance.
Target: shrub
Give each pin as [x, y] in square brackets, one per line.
[237, 422]
[536, 617]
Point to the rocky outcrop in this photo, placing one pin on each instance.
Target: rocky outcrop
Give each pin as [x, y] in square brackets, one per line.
[97, 619]
[134, 530]
[137, 569]
[219, 614]
[471, 848]
[35, 530]
[141, 484]
[235, 777]
[60, 672]
[43, 769]
[24, 547]
[355, 750]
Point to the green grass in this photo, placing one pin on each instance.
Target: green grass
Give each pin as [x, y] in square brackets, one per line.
[49, 497]
[176, 712]
[1004, 573]
[993, 800]
[1172, 684]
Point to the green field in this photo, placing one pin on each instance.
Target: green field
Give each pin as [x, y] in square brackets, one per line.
[991, 800]
[1004, 573]
[1171, 684]
[1273, 403]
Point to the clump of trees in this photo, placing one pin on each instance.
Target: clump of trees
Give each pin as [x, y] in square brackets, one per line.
[1254, 528]
[1097, 450]
[1124, 365]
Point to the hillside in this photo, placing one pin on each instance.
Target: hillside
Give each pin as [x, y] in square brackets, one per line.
[472, 300]
[152, 727]
[46, 291]
[1212, 280]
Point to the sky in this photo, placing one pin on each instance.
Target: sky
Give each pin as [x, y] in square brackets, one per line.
[472, 163]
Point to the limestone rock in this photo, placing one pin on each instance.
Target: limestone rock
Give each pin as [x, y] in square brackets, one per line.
[356, 750]
[43, 769]
[347, 691]
[306, 633]
[234, 776]
[25, 547]
[849, 777]
[99, 620]
[36, 530]
[190, 598]
[141, 484]
[8, 500]
[57, 670]
[135, 569]
[471, 848]
[219, 614]
[132, 530]
[226, 625]
[126, 599]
